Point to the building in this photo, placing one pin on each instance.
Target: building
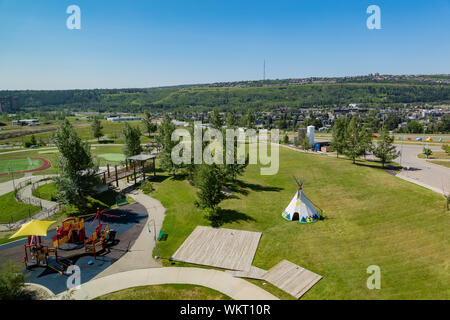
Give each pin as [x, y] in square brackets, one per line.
[26, 122]
[122, 119]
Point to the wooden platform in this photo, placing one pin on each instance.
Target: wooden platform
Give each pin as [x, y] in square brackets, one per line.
[291, 278]
[253, 273]
[222, 248]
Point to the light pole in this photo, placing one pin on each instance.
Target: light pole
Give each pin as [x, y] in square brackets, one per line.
[12, 174]
[154, 235]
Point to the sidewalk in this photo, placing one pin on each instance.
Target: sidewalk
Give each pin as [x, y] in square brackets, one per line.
[236, 288]
[140, 254]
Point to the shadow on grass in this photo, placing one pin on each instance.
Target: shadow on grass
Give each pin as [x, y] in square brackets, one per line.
[158, 178]
[243, 187]
[376, 165]
[230, 216]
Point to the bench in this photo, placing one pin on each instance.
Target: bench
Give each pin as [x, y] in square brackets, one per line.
[161, 235]
[122, 202]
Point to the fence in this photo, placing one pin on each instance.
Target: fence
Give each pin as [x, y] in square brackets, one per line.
[45, 212]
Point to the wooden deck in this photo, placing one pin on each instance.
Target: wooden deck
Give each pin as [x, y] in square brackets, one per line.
[291, 278]
[222, 248]
[253, 273]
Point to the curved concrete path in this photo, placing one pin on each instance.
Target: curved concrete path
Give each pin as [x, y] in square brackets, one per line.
[224, 282]
[139, 256]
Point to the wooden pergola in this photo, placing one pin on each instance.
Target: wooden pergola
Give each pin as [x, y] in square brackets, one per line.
[133, 166]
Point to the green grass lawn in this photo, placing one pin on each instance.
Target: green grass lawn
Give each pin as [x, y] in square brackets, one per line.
[13, 210]
[166, 292]
[46, 192]
[441, 163]
[436, 155]
[371, 218]
[14, 165]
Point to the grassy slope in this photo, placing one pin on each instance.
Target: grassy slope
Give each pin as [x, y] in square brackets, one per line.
[14, 209]
[442, 163]
[371, 218]
[46, 191]
[166, 292]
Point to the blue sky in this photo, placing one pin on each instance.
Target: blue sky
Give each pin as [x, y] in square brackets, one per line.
[168, 42]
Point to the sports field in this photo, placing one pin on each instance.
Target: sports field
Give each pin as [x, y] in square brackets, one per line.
[17, 165]
[113, 157]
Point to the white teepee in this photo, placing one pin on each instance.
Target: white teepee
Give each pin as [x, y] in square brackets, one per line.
[301, 209]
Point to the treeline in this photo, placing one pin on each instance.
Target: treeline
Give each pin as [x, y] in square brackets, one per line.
[204, 98]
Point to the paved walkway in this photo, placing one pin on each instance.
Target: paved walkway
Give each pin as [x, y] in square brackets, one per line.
[140, 254]
[224, 282]
[422, 172]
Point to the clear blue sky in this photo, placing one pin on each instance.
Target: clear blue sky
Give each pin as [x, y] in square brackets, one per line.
[168, 42]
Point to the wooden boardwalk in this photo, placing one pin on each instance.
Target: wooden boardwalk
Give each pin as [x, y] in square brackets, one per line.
[253, 273]
[222, 248]
[291, 278]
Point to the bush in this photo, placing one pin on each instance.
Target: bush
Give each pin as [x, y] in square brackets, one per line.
[147, 187]
[11, 282]
[427, 152]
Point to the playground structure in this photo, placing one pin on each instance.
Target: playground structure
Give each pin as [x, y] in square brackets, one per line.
[69, 242]
[134, 166]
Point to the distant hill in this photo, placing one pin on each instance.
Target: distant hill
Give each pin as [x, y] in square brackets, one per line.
[373, 90]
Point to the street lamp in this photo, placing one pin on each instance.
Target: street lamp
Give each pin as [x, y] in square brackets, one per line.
[12, 174]
[154, 235]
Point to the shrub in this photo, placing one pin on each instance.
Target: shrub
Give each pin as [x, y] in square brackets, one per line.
[11, 281]
[147, 187]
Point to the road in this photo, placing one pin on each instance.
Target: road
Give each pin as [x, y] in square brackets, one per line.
[422, 172]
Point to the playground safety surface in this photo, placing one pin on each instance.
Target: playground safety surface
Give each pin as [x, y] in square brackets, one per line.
[128, 225]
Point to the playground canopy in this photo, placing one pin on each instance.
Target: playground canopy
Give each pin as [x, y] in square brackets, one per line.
[301, 209]
[33, 228]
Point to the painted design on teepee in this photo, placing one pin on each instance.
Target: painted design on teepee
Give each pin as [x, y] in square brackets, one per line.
[300, 208]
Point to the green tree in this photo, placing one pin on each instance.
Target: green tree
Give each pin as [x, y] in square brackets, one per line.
[385, 149]
[164, 140]
[356, 138]
[96, 129]
[216, 121]
[150, 127]
[210, 182]
[132, 140]
[230, 120]
[251, 120]
[427, 151]
[414, 127]
[305, 144]
[77, 171]
[338, 140]
[33, 140]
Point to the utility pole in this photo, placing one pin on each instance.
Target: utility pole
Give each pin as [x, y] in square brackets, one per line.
[264, 71]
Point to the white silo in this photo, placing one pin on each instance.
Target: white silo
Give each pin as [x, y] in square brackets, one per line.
[310, 135]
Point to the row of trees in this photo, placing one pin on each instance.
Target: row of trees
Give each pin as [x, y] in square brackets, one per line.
[210, 179]
[353, 139]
